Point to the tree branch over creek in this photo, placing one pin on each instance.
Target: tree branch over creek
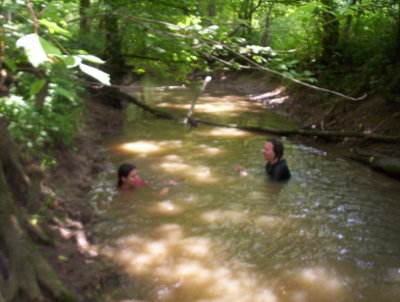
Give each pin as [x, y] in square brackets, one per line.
[177, 32]
[192, 36]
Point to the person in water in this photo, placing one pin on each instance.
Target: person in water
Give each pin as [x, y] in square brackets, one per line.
[276, 167]
[128, 178]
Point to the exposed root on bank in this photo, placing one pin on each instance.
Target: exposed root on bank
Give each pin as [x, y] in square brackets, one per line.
[29, 273]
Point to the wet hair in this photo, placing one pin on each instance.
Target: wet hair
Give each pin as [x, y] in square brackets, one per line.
[123, 171]
[277, 147]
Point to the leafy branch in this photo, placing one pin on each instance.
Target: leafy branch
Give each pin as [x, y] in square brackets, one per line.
[210, 41]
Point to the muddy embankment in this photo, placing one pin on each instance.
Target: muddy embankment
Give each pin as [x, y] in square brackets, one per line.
[74, 256]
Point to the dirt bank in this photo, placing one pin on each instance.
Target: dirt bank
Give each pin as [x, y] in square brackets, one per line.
[75, 255]
[320, 111]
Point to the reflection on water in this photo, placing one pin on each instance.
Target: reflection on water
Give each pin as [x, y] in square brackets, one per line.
[330, 234]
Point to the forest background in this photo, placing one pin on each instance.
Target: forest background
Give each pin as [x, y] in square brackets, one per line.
[55, 55]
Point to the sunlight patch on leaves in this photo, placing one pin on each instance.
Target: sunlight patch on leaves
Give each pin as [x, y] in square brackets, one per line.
[33, 49]
[99, 75]
[54, 28]
[92, 59]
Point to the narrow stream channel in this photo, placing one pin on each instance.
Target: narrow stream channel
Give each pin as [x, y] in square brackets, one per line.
[332, 233]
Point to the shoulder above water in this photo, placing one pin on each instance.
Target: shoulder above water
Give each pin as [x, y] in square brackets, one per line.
[278, 171]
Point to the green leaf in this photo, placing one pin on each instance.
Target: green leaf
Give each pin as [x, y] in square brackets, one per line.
[49, 47]
[82, 52]
[364, 4]
[92, 59]
[71, 61]
[10, 64]
[54, 28]
[33, 49]
[37, 86]
[282, 67]
[99, 75]
[258, 59]
[61, 91]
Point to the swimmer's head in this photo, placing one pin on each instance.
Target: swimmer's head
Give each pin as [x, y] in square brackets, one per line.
[125, 172]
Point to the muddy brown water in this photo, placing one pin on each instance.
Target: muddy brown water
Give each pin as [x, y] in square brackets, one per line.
[332, 233]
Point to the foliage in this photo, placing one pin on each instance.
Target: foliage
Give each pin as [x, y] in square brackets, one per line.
[56, 121]
[175, 40]
[43, 106]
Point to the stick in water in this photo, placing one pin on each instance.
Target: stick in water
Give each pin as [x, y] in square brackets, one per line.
[196, 97]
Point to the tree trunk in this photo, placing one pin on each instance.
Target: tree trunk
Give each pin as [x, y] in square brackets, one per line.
[347, 27]
[212, 9]
[113, 51]
[13, 170]
[268, 20]
[246, 15]
[29, 272]
[397, 51]
[84, 23]
[330, 34]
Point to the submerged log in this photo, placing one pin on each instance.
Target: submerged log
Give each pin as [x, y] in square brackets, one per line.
[283, 132]
[316, 133]
[387, 165]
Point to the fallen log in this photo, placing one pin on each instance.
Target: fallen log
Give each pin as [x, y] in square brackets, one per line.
[387, 165]
[115, 93]
[282, 132]
[312, 133]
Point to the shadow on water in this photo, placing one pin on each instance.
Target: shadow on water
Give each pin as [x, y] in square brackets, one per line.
[330, 234]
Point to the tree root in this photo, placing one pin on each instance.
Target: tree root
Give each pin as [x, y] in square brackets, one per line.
[29, 273]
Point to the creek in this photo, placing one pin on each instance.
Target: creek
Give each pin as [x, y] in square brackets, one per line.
[331, 233]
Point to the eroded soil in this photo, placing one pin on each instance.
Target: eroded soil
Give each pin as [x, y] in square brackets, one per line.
[320, 111]
[75, 255]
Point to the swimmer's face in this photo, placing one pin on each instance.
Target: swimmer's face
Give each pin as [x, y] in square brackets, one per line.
[268, 152]
[130, 179]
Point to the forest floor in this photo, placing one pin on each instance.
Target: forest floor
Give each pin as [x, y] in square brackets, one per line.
[75, 257]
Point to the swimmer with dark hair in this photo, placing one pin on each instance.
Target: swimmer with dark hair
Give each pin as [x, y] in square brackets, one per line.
[128, 178]
[276, 167]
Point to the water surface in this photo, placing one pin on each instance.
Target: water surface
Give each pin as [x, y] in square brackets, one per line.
[332, 233]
